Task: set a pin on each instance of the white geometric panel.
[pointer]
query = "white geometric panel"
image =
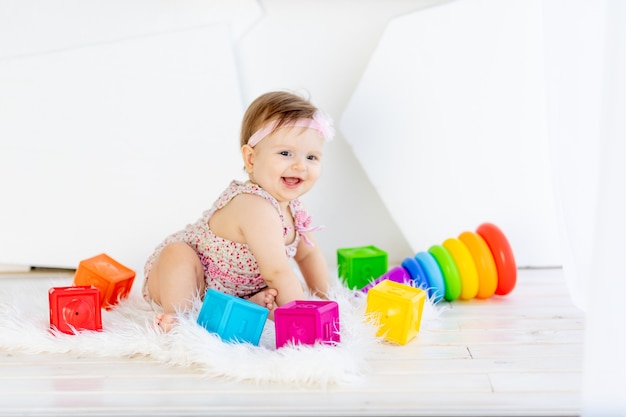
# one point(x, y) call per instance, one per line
point(448, 121)
point(110, 147)
point(30, 27)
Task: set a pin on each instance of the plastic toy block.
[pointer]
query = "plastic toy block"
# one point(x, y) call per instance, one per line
point(113, 279)
point(75, 308)
point(307, 322)
point(396, 309)
point(397, 274)
point(360, 265)
point(232, 318)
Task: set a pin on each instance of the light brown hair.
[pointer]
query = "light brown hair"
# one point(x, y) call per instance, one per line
point(281, 106)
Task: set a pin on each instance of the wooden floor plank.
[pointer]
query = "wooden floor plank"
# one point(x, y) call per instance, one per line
point(304, 404)
point(536, 381)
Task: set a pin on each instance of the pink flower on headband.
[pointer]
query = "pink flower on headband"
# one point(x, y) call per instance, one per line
point(324, 124)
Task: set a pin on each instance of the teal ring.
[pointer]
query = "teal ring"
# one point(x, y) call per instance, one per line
point(437, 287)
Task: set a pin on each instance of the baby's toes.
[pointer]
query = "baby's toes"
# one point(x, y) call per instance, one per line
point(164, 322)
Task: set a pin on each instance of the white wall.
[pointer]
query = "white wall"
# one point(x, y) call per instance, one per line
point(140, 102)
point(305, 45)
point(119, 120)
point(110, 118)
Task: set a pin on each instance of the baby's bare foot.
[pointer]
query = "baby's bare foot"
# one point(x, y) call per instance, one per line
point(265, 298)
point(165, 322)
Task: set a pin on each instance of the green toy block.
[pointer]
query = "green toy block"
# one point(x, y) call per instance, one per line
point(360, 265)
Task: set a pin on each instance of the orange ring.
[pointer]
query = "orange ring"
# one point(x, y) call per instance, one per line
point(485, 265)
point(466, 266)
point(502, 255)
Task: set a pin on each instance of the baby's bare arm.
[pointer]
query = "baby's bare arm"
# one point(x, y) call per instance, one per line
point(313, 267)
point(263, 233)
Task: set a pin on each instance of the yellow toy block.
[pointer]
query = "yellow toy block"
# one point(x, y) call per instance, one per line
point(397, 310)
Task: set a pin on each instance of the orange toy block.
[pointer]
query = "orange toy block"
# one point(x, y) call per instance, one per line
point(397, 310)
point(113, 279)
point(75, 308)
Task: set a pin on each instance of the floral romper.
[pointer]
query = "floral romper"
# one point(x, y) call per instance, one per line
point(229, 266)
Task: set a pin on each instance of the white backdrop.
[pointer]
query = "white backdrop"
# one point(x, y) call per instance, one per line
point(136, 80)
point(449, 122)
point(109, 128)
point(99, 152)
point(130, 88)
point(586, 68)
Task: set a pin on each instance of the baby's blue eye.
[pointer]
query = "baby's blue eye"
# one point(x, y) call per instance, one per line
point(285, 153)
point(312, 158)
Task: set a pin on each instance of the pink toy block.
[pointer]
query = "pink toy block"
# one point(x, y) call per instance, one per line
point(307, 322)
point(397, 310)
point(113, 279)
point(75, 308)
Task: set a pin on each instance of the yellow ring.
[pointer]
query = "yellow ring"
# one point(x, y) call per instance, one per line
point(466, 266)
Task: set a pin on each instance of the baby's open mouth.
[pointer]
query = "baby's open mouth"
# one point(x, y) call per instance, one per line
point(291, 181)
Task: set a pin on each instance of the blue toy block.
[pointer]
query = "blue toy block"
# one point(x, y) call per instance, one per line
point(359, 266)
point(307, 322)
point(232, 318)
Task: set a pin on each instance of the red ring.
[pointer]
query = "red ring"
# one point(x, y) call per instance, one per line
point(502, 255)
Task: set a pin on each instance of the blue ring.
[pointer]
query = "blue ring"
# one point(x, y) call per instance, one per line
point(416, 272)
point(437, 287)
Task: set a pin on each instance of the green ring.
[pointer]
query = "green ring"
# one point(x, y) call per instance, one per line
point(449, 271)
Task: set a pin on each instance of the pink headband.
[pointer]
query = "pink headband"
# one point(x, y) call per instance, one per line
point(319, 122)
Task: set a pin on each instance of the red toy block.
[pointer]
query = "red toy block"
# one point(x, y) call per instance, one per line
point(75, 308)
point(113, 279)
point(307, 322)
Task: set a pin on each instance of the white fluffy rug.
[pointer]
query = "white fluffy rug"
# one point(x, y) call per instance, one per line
point(128, 331)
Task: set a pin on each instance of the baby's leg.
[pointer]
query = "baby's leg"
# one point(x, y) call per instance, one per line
point(177, 275)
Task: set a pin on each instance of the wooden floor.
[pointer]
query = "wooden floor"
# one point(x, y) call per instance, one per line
point(519, 355)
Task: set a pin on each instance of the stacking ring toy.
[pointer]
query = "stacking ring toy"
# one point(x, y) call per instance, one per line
point(466, 266)
point(436, 287)
point(416, 272)
point(485, 265)
point(449, 270)
point(475, 264)
point(502, 255)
